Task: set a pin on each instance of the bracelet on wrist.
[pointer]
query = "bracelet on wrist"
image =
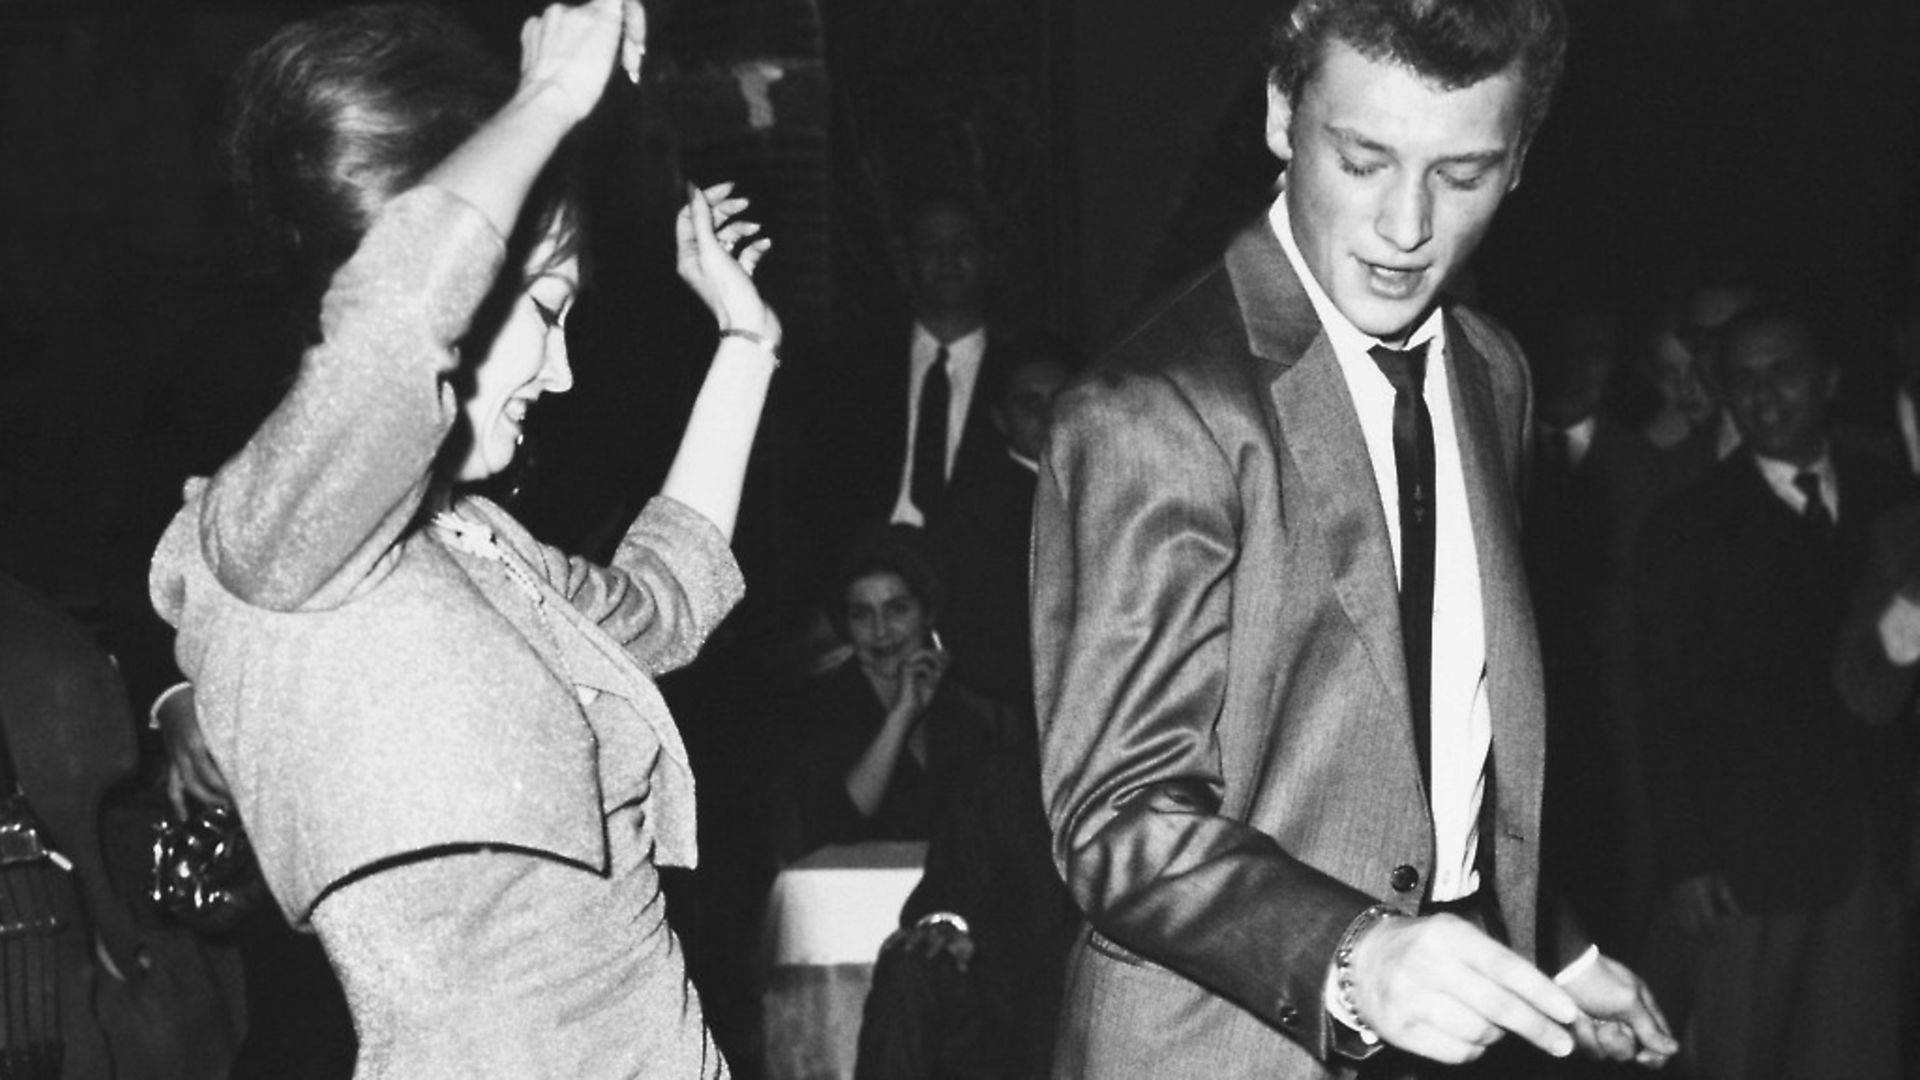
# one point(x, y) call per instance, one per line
point(755, 338)
point(1343, 956)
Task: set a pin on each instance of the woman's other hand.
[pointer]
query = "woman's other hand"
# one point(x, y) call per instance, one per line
point(572, 48)
point(718, 252)
point(190, 766)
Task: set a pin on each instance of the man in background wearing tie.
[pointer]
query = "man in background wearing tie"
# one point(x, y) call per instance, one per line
point(1289, 693)
point(949, 433)
point(1780, 918)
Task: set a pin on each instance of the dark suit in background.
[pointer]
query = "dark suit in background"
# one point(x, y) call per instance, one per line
point(990, 863)
point(984, 545)
point(873, 399)
point(1761, 775)
point(1581, 517)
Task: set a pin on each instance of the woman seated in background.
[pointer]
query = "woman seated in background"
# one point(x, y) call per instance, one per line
point(443, 735)
point(882, 736)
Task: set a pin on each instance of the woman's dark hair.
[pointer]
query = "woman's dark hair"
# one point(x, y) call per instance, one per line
point(336, 114)
point(900, 550)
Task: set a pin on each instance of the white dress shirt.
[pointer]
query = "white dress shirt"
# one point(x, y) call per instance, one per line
point(964, 355)
point(1781, 476)
point(1462, 719)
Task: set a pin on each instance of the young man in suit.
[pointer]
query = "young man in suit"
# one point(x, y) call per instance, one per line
point(1774, 848)
point(1247, 640)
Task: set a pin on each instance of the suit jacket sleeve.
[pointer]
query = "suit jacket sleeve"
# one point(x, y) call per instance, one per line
point(1136, 525)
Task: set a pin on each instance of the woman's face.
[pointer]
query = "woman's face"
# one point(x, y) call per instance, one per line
point(886, 622)
point(527, 358)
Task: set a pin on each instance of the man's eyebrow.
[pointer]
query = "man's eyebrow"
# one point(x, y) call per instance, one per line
point(1478, 158)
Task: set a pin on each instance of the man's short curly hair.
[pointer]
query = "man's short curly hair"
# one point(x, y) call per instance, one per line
point(1454, 43)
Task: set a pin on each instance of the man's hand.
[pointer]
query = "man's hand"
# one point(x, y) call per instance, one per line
point(1619, 1020)
point(1439, 987)
point(1701, 902)
point(933, 939)
point(1899, 628)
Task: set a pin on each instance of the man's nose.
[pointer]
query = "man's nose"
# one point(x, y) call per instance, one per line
point(1406, 214)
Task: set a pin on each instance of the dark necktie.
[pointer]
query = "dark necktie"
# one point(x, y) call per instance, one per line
point(1816, 512)
point(930, 438)
point(1413, 463)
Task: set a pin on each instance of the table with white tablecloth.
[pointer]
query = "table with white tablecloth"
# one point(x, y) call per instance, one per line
point(826, 918)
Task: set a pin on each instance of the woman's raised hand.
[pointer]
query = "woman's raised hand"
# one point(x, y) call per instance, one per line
point(573, 47)
point(718, 251)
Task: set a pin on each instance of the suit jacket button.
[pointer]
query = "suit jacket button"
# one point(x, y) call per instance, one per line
point(1289, 1016)
point(1404, 878)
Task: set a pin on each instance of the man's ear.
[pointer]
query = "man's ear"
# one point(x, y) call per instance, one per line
point(998, 414)
point(1279, 120)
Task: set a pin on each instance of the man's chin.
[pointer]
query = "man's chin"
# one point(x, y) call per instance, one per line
point(1390, 320)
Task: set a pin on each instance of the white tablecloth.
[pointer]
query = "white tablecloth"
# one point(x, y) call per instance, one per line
point(826, 917)
point(838, 904)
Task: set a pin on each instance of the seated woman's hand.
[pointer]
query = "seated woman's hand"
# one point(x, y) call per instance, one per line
point(920, 676)
point(572, 48)
point(718, 250)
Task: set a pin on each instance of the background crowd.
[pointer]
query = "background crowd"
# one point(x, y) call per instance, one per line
point(1733, 722)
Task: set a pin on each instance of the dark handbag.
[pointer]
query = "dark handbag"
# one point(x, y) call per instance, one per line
point(204, 873)
point(36, 907)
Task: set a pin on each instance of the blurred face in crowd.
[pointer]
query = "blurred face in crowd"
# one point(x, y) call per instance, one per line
point(1392, 180)
point(1026, 413)
point(949, 259)
point(1777, 386)
point(1681, 381)
point(1707, 310)
point(526, 359)
point(886, 621)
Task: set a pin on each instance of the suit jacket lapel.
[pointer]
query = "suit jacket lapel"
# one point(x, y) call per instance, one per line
point(1314, 423)
point(1489, 473)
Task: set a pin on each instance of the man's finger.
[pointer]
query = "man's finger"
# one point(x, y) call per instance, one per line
point(1527, 1018)
point(1447, 1031)
point(1649, 1026)
point(1505, 969)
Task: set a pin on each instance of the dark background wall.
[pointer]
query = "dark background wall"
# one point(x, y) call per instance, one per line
point(1114, 142)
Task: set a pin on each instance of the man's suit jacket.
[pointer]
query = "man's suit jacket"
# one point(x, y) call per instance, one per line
point(867, 452)
point(1579, 528)
point(983, 543)
point(1758, 770)
point(1228, 758)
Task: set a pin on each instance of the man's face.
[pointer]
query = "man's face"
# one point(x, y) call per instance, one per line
point(1026, 413)
point(1777, 389)
point(1392, 181)
point(949, 260)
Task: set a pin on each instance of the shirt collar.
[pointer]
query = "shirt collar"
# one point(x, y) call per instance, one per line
point(966, 348)
point(1780, 476)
